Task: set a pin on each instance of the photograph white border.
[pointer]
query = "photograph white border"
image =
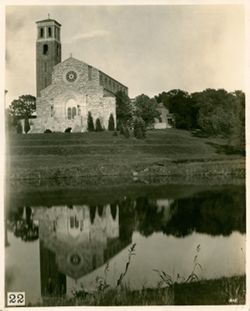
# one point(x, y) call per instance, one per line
point(5, 3)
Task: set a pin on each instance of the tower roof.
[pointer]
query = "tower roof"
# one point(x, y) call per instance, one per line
point(49, 20)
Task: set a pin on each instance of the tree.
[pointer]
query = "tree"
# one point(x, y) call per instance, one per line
point(183, 107)
point(123, 109)
point(163, 98)
point(216, 111)
point(237, 139)
point(90, 122)
point(98, 126)
point(26, 125)
point(23, 107)
point(146, 108)
point(111, 125)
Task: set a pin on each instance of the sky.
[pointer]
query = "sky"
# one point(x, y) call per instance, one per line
point(148, 48)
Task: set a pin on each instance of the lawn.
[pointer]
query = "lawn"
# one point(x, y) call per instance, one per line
point(102, 153)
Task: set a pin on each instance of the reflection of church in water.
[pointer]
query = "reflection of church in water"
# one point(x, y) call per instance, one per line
point(75, 240)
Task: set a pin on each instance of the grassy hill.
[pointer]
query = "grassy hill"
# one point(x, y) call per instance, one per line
point(163, 152)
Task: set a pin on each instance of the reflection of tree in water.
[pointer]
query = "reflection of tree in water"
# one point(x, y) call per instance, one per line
point(100, 210)
point(92, 210)
point(22, 225)
point(113, 210)
point(148, 217)
point(213, 213)
point(127, 218)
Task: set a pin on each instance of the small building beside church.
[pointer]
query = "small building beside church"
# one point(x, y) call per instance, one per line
point(166, 119)
point(70, 90)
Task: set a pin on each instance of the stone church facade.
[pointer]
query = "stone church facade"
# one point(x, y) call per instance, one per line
point(68, 91)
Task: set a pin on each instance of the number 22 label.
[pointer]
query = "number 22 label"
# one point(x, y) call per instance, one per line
point(15, 299)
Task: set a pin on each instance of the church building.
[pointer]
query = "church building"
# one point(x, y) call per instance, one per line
point(68, 91)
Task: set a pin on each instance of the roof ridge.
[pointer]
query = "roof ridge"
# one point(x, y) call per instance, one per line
point(48, 20)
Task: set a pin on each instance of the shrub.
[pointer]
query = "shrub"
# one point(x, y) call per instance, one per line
point(111, 125)
point(138, 133)
point(121, 129)
point(115, 133)
point(26, 125)
point(126, 132)
point(91, 127)
point(139, 128)
point(98, 126)
point(19, 128)
point(68, 130)
point(118, 125)
point(47, 131)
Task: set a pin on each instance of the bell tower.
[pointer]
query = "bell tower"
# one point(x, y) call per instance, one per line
point(48, 51)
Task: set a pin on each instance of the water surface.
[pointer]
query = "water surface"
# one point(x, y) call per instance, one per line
point(57, 244)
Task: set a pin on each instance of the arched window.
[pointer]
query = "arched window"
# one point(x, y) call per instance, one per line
point(73, 112)
point(41, 32)
point(71, 109)
point(49, 32)
point(69, 113)
point(45, 49)
point(74, 222)
point(90, 72)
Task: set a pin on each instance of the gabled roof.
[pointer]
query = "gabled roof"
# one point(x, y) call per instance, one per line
point(71, 58)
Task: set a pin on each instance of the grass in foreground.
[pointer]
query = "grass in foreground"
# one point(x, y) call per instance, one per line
point(224, 291)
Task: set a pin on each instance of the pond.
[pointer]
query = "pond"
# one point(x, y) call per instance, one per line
point(56, 244)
